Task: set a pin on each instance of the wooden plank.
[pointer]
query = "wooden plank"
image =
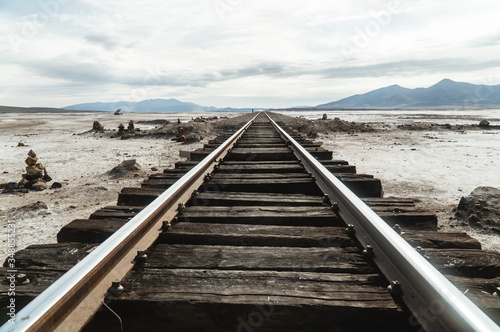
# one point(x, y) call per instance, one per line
point(364, 187)
point(432, 239)
point(334, 162)
point(396, 209)
point(388, 201)
point(270, 154)
point(211, 198)
point(54, 256)
point(89, 231)
point(259, 162)
point(471, 263)
point(480, 292)
point(254, 287)
point(411, 220)
point(255, 235)
point(261, 168)
point(263, 215)
point(341, 168)
point(40, 279)
point(305, 186)
point(264, 176)
point(138, 196)
point(158, 183)
point(249, 154)
point(245, 145)
point(116, 212)
point(325, 260)
point(184, 300)
point(167, 175)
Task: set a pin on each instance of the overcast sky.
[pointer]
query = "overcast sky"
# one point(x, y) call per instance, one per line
point(240, 53)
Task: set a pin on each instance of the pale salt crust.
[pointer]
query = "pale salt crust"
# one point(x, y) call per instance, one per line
point(436, 167)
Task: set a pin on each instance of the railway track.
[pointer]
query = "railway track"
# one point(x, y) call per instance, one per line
point(260, 231)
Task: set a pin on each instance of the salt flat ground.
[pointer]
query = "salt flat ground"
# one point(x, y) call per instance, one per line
point(79, 162)
point(437, 167)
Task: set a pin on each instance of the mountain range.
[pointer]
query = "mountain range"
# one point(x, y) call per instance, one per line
point(151, 105)
point(446, 93)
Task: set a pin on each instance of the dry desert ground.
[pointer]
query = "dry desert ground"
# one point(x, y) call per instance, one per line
point(415, 154)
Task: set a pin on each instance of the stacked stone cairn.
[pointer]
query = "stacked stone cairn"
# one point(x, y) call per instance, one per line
point(36, 176)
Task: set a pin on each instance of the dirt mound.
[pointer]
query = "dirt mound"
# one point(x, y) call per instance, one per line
point(125, 168)
point(325, 126)
point(158, 122)
point(232, 124)
point(26, 211)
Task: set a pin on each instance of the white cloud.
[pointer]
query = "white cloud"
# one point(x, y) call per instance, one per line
point(237, 53)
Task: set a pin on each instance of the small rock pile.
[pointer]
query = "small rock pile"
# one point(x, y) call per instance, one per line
point(97, 127)
point(129, 132)
point(36, 177)
point(191, 137)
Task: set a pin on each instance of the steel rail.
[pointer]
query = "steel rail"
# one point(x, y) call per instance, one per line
point(435, 302)
point(60, 301)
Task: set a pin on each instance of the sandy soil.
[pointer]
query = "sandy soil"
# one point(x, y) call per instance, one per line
point(437, 166)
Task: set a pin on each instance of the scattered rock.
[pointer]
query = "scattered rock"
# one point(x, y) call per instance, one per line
point(481, 208)
point(192, 138)
point(484, 123)
point(10, 186)
point(39, 186)
point(154, 169)
point(126, 167)
point(21, 144)
point(325, 117)
point(56, 185)
point(312, 131)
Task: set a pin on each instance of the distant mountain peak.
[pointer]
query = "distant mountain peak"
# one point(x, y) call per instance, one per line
point(445, 81)
point(445, 93)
